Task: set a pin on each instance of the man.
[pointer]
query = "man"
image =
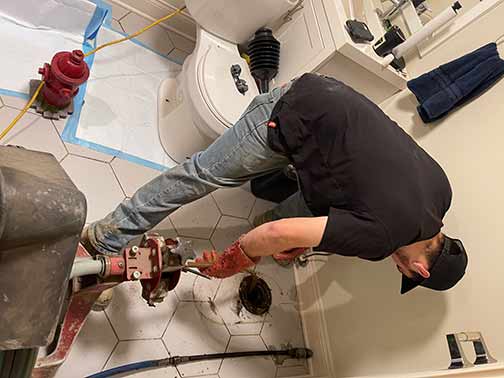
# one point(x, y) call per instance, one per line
point(366, 188)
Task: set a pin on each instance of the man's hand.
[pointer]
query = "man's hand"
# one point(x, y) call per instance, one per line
point(289, 255)
point(232, 261)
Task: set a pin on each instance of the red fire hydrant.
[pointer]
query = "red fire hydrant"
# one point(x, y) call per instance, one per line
point(63, 76)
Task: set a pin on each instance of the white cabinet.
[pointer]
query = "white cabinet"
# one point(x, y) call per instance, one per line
point(306, 42)
point(315, 40)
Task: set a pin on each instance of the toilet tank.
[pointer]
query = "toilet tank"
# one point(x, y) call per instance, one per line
point(236, 20)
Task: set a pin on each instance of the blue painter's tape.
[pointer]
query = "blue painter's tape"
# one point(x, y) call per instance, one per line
point(99, 17)
point(104, 16)
point(8, 92)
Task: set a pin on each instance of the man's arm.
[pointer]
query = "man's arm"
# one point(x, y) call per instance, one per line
point(283, 235)
point(271, 238)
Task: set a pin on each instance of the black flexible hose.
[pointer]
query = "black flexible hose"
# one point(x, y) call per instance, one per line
point(295, 353)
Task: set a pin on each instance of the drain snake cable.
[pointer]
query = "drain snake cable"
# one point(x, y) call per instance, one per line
point(39, 88)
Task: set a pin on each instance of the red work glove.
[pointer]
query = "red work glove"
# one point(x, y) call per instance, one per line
point(232, 261)
point(289, 255)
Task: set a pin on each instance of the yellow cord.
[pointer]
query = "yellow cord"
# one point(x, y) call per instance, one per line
point(136, 33)
point(22, 113)
point(32, 99)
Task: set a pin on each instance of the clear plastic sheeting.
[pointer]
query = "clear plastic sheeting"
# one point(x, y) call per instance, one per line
point(119, 115)
point(32, 31)
point(65, 16)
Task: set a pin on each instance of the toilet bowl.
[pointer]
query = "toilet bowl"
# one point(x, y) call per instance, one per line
point(204, 101)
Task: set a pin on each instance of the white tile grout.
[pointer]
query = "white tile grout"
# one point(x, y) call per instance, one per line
point(251, 210)
point(67, 155)
point(215, 227)
point(140, 339)
point(89, 158)
point(63, 158)
point(121, 18)
point(117, 179)
point(172, 315)
point(226, 350)
point(110, 355)
point(111, 325)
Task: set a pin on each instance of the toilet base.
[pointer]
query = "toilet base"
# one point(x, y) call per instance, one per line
point(178, 134)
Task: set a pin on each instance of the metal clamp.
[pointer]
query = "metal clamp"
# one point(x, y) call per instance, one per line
point(458, 358)
point(296, 8)
point(241, 85)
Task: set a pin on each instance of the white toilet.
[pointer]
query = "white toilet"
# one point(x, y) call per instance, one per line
point(203, 101)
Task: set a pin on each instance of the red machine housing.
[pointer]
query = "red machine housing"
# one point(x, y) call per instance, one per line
point(63, 76)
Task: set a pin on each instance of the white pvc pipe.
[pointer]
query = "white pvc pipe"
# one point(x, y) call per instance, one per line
point(436, 23)
point(86, 266)
point(351, 9)
point(387, 60)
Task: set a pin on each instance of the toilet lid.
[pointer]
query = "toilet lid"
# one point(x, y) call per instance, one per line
point(218, 87)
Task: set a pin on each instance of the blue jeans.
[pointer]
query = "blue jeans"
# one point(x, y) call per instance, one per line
point(239, 155)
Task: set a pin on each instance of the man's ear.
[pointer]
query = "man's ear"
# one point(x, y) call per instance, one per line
point(421, 269)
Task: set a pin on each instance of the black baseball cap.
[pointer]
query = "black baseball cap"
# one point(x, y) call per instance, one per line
point(446, 271)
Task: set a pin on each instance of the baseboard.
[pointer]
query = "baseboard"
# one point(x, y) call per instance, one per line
point(311, 308)
point(312, 313)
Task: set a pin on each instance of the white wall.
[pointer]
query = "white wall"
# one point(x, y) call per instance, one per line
point(375, 330)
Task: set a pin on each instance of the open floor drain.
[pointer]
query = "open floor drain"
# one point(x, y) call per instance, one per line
point(255, 295)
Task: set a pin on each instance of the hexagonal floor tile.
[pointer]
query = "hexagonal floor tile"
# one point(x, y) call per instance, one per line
point(283, 326)
point(260, 206)
point(131, 316)
point(193, 330)
point(128, 352)
point(156, 38)
point(253, 367)
point(98, 183)
point(228, 230)
point(16, 103)
point(281, 280)
point(132, 176)
point(32, 132)
point(197, 219)
point(227, 301)
point(91, 349)
point(166, 229)
point(181, 42)
point(193, 288)
point(237, 202)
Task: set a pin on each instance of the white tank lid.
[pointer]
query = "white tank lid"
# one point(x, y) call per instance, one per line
point(218, 87)
point(236, 21)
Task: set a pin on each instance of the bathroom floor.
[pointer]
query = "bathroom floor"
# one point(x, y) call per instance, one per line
point(200, 316)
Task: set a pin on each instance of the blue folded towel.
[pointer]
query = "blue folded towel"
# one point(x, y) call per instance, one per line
point(453, 84)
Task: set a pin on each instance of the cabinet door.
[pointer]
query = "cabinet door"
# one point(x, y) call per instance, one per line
point(306, 42)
